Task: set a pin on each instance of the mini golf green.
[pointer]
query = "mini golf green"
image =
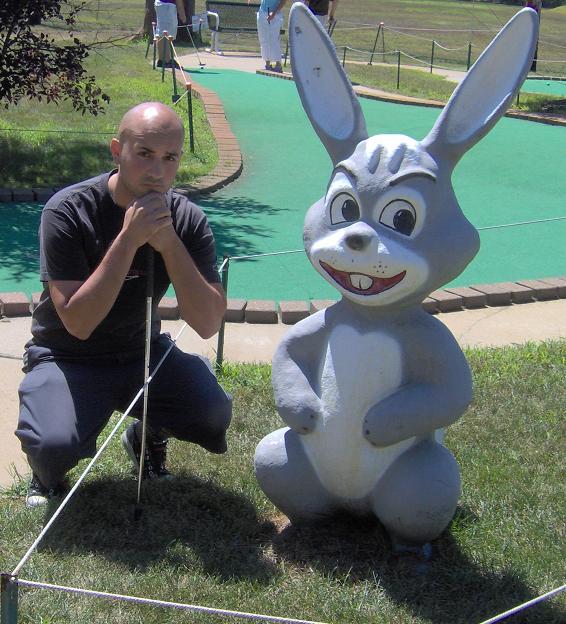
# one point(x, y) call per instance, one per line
point(548, 87)
point(515, 175)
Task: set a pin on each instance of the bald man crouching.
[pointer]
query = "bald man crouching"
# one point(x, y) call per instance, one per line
point(86, 357)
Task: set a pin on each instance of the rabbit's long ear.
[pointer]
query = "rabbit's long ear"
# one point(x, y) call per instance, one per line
point(487, 90)
point(324, 88)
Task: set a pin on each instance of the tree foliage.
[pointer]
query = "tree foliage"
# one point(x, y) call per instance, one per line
point(35, 66)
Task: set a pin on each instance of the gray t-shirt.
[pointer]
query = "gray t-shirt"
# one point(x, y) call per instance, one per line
point(78, 225)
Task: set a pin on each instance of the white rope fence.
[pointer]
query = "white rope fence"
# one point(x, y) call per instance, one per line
point(165, 603)
point(524, 606)
point(411, 32)
point(506, 225)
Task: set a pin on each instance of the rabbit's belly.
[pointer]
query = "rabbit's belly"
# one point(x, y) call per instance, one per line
point(359, 370)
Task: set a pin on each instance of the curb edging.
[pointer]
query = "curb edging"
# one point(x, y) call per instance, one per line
point(454, 299)
point(385, 96)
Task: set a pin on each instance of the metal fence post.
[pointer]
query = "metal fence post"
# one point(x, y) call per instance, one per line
point(375, 43)
point(432, 56)
point(9, 599)
point(220, 347)
point(149, 40)
point(469, 61)
point(344, 58)
point(286, 54)
point(398, 67)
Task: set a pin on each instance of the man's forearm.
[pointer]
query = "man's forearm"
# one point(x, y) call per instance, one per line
point(83, 309)
point(201, 305)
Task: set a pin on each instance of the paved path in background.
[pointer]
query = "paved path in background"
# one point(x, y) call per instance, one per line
point(253, 63)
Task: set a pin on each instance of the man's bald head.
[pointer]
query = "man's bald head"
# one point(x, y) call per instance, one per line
point(149, 117)
point(147, 151)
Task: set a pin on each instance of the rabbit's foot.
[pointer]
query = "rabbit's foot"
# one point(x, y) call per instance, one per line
point(423, 552)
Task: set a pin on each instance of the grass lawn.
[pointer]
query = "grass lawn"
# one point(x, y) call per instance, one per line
point(48, 145)
point(415, 83)
point(211, 537)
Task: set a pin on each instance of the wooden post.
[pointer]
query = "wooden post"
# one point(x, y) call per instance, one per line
point(173, 68)
point(9, 599)
point(150, 39)
point(375, 43)
point(190, 113)
point(154, 52)
point(432, 56)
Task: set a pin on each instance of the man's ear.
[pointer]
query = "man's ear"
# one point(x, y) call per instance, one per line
point(115, 149)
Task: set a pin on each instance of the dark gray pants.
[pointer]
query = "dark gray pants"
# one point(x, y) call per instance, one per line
point(65, 404)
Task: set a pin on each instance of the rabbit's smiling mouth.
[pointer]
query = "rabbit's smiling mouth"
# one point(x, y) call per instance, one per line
point(360, 283)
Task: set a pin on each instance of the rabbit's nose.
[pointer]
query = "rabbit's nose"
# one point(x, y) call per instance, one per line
point(358, 242)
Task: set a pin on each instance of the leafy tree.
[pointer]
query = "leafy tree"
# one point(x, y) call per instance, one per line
point(33, 65)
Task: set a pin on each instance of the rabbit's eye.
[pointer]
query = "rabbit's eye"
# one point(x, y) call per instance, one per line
point(400, 216)
point(344, 208)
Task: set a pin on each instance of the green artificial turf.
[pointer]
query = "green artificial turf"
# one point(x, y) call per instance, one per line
point(513, 176)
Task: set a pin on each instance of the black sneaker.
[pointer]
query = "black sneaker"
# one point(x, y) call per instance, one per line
point(38, 495)
point(159, 63)
point(155, 452)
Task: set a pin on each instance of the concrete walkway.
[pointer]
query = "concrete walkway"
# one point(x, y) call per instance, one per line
point(244, 342)
point(252, 63)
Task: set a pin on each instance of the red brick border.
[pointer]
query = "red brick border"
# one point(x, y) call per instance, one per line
point(290, 312)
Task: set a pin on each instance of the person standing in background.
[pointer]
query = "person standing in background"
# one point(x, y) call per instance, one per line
point(323, 10)
point(168, 14)
point(535, 5)
point(269, 23)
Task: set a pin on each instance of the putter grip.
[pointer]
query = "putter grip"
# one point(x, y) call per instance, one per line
point(149, 260)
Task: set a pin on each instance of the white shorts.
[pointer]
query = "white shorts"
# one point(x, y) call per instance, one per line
point(269, 34)
point(166, 18)
point(323, 19)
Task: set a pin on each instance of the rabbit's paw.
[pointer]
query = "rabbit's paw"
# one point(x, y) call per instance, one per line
point(380, 430)
point(300, 417)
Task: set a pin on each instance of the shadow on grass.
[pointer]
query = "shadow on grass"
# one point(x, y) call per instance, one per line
point(451, 588)
point(239, 224)
point(54, 160)
point(182, 519)
point(19, 243)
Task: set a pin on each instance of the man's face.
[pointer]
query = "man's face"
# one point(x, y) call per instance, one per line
point(148, 159)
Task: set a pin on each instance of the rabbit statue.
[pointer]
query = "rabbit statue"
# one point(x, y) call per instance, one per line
point(367, 386)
